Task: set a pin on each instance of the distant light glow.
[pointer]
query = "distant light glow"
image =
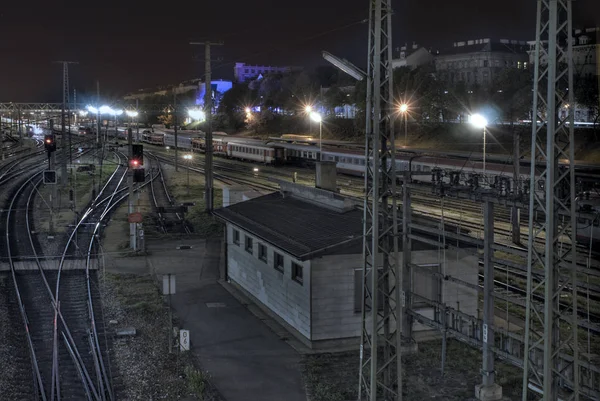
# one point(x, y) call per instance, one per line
point(117, 112)
point(105, 110)
point(83, 113)
point(131, 113)
point(308, 109)
point(403, 108)
point(255, 169)
point(197, 114)
point(247, 109)
point(168, 147)
point(478, 121)
point(92, 109)
point(316, 117)
point(187, 157)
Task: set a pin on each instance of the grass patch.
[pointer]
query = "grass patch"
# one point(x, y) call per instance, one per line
point(137, 294)
point(334, 377)
point(197, 381)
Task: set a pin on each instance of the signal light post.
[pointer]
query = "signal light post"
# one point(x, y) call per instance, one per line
point(50, 145)
point(133, 163)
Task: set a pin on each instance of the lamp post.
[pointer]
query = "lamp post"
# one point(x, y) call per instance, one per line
point(404, 110)
point(308, 110)
point(479, 121)
point(133, 114)
point(189, 159)
point(316, 117)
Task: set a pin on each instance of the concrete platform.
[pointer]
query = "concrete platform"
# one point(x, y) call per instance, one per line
point(245, 358)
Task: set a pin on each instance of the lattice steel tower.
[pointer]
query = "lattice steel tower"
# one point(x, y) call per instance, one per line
point(380, 367)
point(551, 356)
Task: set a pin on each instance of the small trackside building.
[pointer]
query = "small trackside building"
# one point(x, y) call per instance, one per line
point(297, 253)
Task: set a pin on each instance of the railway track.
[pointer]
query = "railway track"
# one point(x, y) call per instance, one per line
point(167, 221)
point(66, 359)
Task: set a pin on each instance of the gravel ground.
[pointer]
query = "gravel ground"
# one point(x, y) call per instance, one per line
point(146, 369)
point(334, 377)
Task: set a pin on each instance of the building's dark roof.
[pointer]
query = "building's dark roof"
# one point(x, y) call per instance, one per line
point(298, 227)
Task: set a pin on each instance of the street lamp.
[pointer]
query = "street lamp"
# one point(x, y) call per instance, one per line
point(133, 114)
point(197, 114)
point(189, 159)
point(479, 121)
point(404, 110)
point(316, 117)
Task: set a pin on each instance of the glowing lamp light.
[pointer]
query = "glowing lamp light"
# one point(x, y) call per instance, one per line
point(197, 114)
point(92, 109)
point(48, 140)
point(131, 113)
point(316, 117)
point(247, 109)
point(83, 113)
point(308, 109)
point(105, 110)
point(135, 162)
point(117, 112)
point(403, 108)
point(479, 121)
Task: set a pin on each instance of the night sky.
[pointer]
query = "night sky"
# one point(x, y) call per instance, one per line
point(144, 44)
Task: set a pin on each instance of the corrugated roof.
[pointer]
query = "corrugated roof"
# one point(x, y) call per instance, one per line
point(293, 225)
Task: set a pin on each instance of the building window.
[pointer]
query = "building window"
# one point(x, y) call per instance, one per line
point(519, 65)
point(278, 261)
point(262, 252)
point(236, 237)
point(248, 245)
point(485, 63)
point(297, 272)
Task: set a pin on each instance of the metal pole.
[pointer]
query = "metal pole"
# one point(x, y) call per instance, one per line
point(137, 120)
point(208, 159)
point(406, 128)
point(175, 126)
point(321, 137)
point(208, 162)
point(484, 139)
point(487, 372)
point(132, 226)
point(406, 276)
point(515, 211)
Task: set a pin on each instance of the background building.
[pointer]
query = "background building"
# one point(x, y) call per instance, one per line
point(243, 72)
point(412, 57)
point(479, 61)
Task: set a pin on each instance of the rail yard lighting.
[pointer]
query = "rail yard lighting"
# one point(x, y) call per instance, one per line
point(404, 110)
point(316, 117)
point(131, 113)
point(91, 109)
point(197, 114)
point(247, 110)
point(83, 113)
point(188, 157)
point(479, 121)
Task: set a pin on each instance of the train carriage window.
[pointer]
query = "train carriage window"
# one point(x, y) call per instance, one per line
point(337, 159)
point(426, 169)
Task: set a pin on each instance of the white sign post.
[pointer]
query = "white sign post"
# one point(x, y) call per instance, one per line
point(169, 289)
point(184, 340)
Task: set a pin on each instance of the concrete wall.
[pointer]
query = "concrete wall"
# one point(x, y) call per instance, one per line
point(337, 281)
point(287, 298)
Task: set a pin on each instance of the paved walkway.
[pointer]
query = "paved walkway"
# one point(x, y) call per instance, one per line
point(247, 361)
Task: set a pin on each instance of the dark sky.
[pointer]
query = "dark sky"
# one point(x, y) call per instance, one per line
point(133, 44)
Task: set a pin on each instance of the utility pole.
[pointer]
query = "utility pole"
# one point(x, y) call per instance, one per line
point(175, 131)
point(137, 121)
point(382, 307)
point(53, 192)
point(551, 329)
point(517, 188)
point(208, 160)
point(65, 118)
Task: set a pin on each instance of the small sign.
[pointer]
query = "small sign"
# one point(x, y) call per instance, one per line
point(135, 217)
point(50, 177)
point(485, 333)
point(184, 340)
point(168, 284)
